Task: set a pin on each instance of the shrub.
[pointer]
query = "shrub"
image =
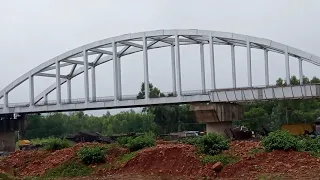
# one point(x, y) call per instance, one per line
point(53, 144)
point(223, 158)
point(141, 142)
point(92, 155)
point(280, 140)
point(123, 141)
point(69, 169)
point(212, 144)
point(310, 145)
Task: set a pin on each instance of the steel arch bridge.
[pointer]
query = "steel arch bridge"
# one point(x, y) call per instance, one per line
point(112, 49)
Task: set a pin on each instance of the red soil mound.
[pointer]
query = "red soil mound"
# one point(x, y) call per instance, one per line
point(171, 159)
point(293, 164)
point(39, 166)
point(243, 148)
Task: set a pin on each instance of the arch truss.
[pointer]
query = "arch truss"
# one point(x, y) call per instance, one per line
point(113, 49)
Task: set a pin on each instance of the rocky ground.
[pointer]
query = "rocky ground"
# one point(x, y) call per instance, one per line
point(173, 161)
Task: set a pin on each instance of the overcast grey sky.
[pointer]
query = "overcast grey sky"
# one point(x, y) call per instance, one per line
point(35, 31)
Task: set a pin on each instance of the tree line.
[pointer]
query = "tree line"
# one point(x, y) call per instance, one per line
point(164, 119)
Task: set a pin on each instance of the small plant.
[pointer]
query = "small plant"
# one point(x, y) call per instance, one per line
point(212, 144)
point(141, 142)
point(280, 140)
point(69, 169)
point(92, 155)
point(53, 144)
point(223, 158)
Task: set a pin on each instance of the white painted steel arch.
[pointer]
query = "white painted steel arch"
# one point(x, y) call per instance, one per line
point(143, 41)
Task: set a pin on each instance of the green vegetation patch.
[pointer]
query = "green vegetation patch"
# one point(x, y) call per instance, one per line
point(212, 144)
point(140, 142)
point(225, 159)
point(53, 144)
point(68, 169)
point(92, 155)
point(280, 140)
point(309, 144)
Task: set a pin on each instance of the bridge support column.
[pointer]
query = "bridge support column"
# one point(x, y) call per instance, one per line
point(86, 76)
point(145, 68)
point(249, 63)
point(115, 70)
point(6, 102)
point(266, 67)
point(58, 83)
point(93, 83)
point(178, 68)
point(287, 65)
point(300, 71)
point(233, 62)
point(173, 66)
point(31, 91)
point(69, 90)
point(218, 117)
point(212, 64)
point(119, 79)
point(203, 74)
point(8, 126)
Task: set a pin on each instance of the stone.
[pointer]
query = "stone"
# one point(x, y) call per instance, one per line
point(217, 167)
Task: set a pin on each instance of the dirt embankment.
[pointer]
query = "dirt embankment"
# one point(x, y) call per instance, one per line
point(287, 164)
point(171, 159)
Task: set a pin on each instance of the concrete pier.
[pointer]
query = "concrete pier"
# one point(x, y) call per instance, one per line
point(218, 117)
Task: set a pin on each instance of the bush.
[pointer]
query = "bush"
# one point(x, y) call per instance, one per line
point(92, 155)
point(212, 144)
point(223, 158)
point(310, 145)
point(123, 141)
point(53, 144)
point(140, 142)
point(280, 140)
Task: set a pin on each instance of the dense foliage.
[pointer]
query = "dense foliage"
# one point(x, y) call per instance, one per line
point(280, 140)
point(52, 144)
point(212, 144)
point(92, 155)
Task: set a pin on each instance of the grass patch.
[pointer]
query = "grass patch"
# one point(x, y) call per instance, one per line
point(223, 158)
point(270, 177)
point(69, 169)
point(121, 160)
point(127, 157)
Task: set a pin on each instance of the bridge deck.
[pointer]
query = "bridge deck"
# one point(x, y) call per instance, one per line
point(221, 95)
